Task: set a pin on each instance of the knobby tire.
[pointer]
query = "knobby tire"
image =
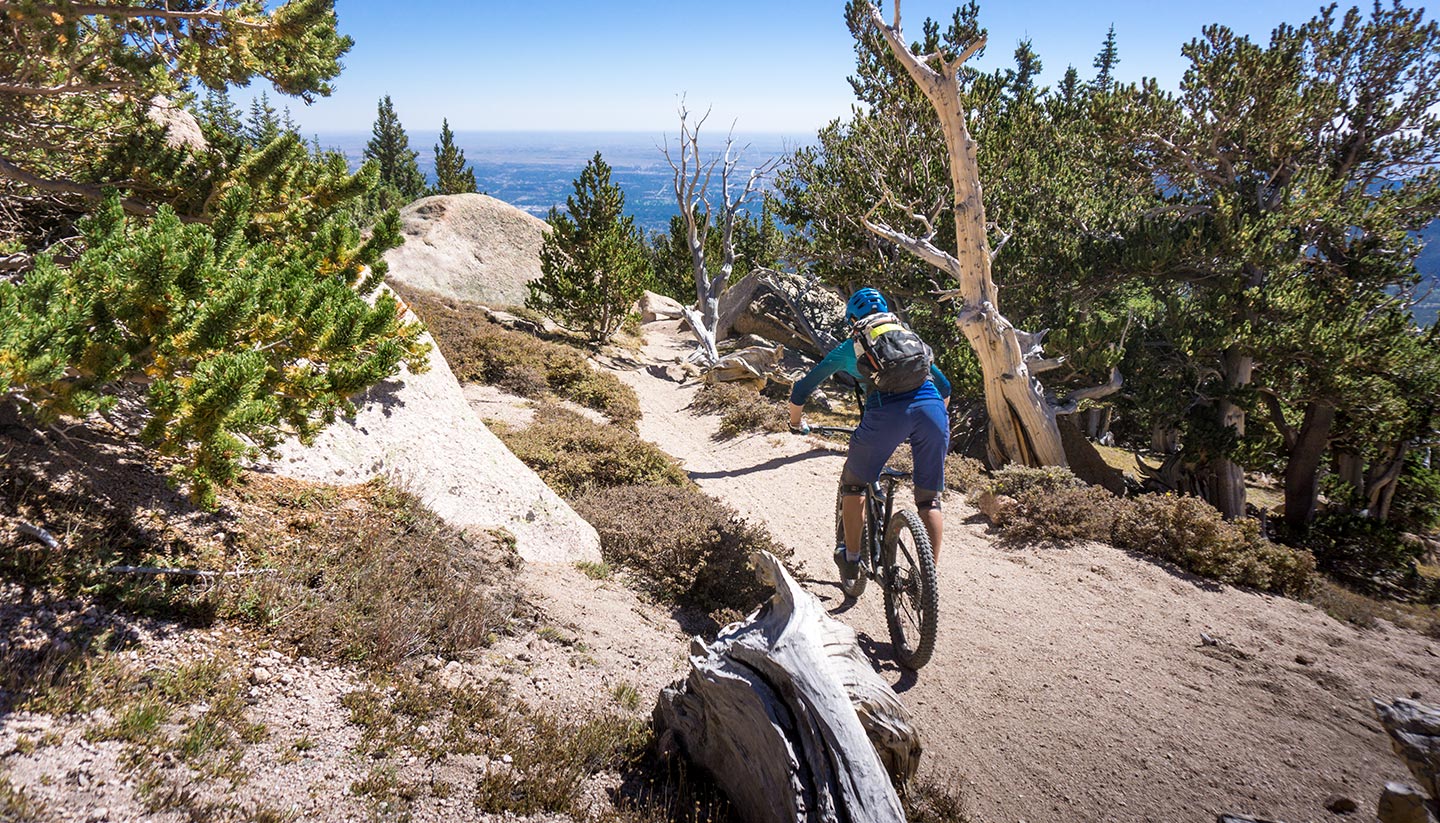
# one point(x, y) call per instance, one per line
point(912, 596)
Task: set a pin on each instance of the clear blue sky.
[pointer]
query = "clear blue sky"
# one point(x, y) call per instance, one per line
point(772, 66)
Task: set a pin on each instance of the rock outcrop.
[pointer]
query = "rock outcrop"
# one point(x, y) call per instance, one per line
point(418, 430)
point(468, 246)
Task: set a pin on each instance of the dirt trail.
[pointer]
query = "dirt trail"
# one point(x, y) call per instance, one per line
point(1072, 684)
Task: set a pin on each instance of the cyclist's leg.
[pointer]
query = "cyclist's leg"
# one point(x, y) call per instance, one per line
point(929, 443)
point(881, 430)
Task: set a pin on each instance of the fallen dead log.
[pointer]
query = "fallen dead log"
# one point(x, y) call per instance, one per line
point(788, 715)
point(1414, 730)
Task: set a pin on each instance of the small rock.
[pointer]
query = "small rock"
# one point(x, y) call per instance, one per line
point(1304, 659)
point(287, 678)
point(1340, 804)
point(260, 676)
point(98, 813)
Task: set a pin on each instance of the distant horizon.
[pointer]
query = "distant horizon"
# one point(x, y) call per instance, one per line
point(568, 66)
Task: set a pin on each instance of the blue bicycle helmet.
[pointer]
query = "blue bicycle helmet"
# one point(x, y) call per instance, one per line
point(864, 302)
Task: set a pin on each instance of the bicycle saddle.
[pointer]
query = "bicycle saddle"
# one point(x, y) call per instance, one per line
point(895, 473)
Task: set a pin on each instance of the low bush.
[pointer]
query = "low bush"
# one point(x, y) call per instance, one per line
point(962, 474)
point(681, 545)
point(1053, 506)
point(1360, 549)
point(368, 574)
point(575, 455)
point(1064, 515)
point(742, 409)
point(481, 351)
point(1190, 533)
point(1015, 480)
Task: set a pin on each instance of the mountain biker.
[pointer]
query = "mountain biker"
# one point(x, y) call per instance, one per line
point(920, 414)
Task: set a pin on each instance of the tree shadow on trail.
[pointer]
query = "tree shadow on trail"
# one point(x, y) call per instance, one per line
point(768, 465)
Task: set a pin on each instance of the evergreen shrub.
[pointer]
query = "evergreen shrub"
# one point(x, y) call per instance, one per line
point(1361, 550)
point(681, 545)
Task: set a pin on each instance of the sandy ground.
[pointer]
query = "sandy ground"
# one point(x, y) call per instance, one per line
point(1067, 684)
point(1072, 684)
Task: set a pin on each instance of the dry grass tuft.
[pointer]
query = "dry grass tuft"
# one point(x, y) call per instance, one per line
point(680, 545)
point(742, 409)
point(928, 800)
point(534, 761)
point(575, 455)
point(368, 574)
point(17, 806)
point(481, 351)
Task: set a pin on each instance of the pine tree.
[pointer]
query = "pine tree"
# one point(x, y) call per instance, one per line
point(264, 123)
point(1106, 60)
point(1070, 86)
point(452, 176)
point(226, 280)
point(390, 149)
point(219, 113)
point(593, 264)
point(1027, 68)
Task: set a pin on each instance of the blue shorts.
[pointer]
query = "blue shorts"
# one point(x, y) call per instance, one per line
point(884, 427)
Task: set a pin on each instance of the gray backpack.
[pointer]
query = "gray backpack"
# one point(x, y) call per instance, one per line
point(889, 355)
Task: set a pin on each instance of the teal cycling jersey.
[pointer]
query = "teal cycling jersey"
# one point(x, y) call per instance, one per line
point(842, 358)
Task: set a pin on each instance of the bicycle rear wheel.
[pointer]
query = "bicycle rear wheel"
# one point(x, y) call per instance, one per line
point(851, 588)
point(912, 599)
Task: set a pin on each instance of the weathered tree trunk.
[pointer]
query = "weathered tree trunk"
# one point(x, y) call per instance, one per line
point(1373, 487)
point(1023, 428)
point(1228, 492)
point(1164, 439)
point(1414, 730)
point(1350, 468)
point(691, 187)
point(790, 717)
point(1302, 470)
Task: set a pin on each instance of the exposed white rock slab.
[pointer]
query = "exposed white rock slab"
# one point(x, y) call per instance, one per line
point(419, 431)
point(468, 246)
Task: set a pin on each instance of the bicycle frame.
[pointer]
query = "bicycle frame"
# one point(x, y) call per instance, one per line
point(879, 505)
point(880, 501)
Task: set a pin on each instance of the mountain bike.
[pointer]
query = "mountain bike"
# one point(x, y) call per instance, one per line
point(896, 553)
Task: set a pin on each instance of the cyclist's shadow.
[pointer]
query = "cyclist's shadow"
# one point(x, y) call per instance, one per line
point(882, 654)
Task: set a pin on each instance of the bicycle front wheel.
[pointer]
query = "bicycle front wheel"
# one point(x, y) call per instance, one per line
point(912, 599)
point(856, 587)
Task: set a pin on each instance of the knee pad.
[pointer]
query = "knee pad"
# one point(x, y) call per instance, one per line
point(852, 490)
point(927, 500)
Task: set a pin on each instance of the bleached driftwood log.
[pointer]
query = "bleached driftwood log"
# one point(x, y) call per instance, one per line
point(786, 712)
point(1414, 730)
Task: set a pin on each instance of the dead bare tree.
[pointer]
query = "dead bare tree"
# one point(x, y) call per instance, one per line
point(692, 196)
point(1023, 427)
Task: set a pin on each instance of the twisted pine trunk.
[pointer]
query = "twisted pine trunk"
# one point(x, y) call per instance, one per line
point(1023, 428)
